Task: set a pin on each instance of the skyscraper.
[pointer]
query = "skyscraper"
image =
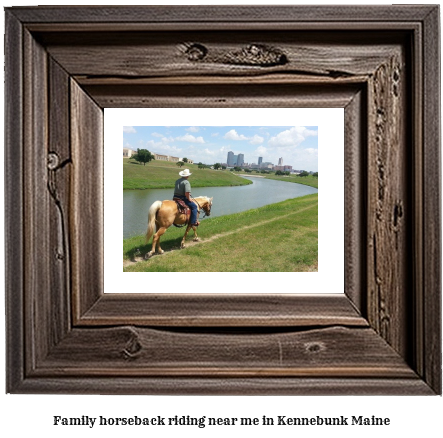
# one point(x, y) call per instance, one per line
point(280, 161)
point(230, 160)
point(260, 160)
point(240, 159)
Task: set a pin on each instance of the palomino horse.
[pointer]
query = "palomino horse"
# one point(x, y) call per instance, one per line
point(163, 214)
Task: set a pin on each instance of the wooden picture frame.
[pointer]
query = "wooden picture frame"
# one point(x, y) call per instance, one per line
point(65, 64)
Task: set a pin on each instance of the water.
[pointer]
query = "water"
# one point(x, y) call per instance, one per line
point(227, 200)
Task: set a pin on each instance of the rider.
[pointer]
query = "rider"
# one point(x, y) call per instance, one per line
point(183, 191)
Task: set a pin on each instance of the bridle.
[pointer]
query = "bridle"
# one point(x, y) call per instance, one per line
point(200, 208)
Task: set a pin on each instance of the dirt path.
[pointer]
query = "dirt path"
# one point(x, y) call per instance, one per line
point(191, 243)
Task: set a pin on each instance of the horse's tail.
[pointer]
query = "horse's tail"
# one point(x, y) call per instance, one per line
point(151, 218)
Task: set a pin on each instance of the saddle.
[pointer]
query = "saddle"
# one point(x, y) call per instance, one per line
point(183, 208)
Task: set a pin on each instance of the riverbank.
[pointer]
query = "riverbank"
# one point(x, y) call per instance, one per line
point(162, 175)
point(309, 180)
point(281, 237)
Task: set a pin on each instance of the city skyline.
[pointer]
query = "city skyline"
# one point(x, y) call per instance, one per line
point(208, 144)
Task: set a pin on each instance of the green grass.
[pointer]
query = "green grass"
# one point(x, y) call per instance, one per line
point(306, 180)
point(274, 238)
point(162, 175)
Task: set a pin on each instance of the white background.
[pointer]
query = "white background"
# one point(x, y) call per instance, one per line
point(31, 415)
point(330, 123)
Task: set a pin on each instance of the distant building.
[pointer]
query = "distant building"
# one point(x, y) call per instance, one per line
point(260, 160)
point(127, 153)
point(231, 159)
point(283, 168)
point(280, 161)
point(240, 160)
point(161, 157)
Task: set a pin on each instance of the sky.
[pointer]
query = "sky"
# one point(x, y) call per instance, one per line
point(297, 145)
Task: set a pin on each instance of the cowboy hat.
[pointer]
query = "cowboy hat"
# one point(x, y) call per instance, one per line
point(185, 172)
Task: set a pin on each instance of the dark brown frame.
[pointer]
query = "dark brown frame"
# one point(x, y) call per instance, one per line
point(64, 65)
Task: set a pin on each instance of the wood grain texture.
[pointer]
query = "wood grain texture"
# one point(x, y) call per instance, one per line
point(222, 14)
point(224, 96)
point(64, 65)
point(38, 305)
point(388, 204)
point(14, 239)
point(129, 351)
point(168, 54)
point(239, 310)
point(86, 197)
point(355, 186)
point(59, 167)
point(431, 316)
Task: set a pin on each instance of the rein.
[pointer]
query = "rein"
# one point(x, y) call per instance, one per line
point(199, 208)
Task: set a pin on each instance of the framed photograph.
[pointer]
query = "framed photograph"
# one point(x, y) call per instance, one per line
point(284, 245)
point(376, 326)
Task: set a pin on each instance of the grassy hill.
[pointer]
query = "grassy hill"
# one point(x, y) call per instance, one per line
point(306, 180)
point(162, 175)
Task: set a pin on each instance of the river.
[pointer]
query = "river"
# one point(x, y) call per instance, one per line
point(227, 200)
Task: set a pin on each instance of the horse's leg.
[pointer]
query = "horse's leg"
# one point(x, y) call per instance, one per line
point(196, 239)
point(184, 237)
point(157, 236)
point(156, 241)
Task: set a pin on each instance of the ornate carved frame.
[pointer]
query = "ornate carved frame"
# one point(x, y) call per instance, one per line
point(64, 65)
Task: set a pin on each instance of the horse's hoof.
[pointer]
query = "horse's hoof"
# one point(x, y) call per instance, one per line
point(161, 252)
point(148, 255)
point(196, 239)
point(182, 246)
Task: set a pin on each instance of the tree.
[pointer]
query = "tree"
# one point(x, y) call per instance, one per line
point(315, 174)
point(237, 168)
point(304, 173)
point(185, 160)
point(223, 167)
point(180, 163)
point(143, 156)
point(217, 166)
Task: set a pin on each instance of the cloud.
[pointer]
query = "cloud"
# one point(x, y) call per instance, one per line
point(190, 138)
point(256, 139)
point(129, 130)
point(233, 135)
point(159, 147)
point(192, 129)
point(261, 150)
point(312, 151)
point(291, 137)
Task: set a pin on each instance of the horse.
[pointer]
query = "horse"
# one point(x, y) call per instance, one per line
point(163, 214)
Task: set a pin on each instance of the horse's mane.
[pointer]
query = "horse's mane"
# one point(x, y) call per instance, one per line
point(205, 197)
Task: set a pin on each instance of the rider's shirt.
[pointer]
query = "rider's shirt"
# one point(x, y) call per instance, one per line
point(182, 186)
